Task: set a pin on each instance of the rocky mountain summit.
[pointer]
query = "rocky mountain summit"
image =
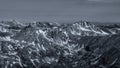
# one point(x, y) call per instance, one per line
point(53, 45)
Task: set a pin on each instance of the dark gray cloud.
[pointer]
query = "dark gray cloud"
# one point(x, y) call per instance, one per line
point(60, 10)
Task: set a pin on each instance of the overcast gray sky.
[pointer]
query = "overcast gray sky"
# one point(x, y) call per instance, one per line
point(60, 10)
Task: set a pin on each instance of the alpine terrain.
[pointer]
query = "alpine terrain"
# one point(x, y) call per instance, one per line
point(52, 45)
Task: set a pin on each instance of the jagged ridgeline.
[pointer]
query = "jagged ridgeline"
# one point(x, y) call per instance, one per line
point(52, 45)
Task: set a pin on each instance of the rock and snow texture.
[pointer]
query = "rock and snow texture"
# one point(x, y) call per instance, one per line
point(52, 45)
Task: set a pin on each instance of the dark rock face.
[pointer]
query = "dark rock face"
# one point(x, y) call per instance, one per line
point(52, 45)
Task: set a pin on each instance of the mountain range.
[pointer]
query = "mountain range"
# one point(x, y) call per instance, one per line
point(52, 45)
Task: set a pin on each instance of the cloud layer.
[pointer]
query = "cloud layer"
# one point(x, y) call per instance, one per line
point(61, 10)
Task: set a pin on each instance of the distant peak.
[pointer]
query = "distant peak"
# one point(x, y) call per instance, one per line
point(84, 23)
